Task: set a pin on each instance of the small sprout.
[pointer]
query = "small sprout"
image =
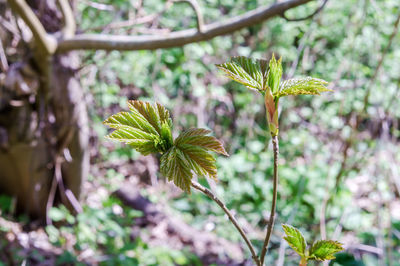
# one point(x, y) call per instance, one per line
point(321, 250)
point(274, 74)
point(254, 75)
point(148, 129)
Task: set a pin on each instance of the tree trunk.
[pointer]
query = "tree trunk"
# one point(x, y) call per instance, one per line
point(43, 123)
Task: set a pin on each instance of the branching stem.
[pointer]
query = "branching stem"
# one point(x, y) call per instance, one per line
point(176, 38)
point(212, 196)
point(46, 43)
point(69, 27)
point(319, 9)
point(199, 15)
point(275, 145)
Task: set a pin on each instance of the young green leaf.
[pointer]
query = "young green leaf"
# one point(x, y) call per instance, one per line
point(147, 128)
point(247, 71)
point(196, 137)
point(154, 114)
point(143, 142)
point(193, 132)
point(309, 85)
point(174, 166)
point(130, 119)
point(295, 239)
point(324, 250)
point(190, 154)
point(274, 74)
point(200, 161)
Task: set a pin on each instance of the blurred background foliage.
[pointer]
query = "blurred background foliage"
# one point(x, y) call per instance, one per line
point(339, 166)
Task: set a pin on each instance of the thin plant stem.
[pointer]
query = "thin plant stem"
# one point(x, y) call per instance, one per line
point(275, 145)
point(212, 196)
point(303, 262)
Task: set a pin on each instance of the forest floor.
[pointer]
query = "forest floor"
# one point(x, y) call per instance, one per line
point(29, 242)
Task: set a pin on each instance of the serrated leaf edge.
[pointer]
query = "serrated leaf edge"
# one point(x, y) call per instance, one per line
point(286, 228)
point(331, 256)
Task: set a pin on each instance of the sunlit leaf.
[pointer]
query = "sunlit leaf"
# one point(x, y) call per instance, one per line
point(193, 132)
point(309, 85)
point(154, 114)
point(274, 74)
point(147, 128)
point(200, 161)
point(295, 239)
point(196, 137)
point(130, 119)
point(324, 250)
point(130, 134)
point(247, 71)
point(175, 167)
point(190, 155)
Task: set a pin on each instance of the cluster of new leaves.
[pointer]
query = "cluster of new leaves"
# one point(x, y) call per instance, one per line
point(190, 154)
point(148, 129)
point(321, 250)
point(254, 74)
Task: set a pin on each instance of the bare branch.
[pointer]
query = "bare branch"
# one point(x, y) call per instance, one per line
point(178, 38)
point(230, 216)
point(365, 248)
point(319, 9)
point(50, 200)
point(68, 19)
point(3, 58)
point(45, 42)
point(199, 15)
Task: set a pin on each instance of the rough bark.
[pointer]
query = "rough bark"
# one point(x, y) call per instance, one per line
point(42, 118)
point(29, 144)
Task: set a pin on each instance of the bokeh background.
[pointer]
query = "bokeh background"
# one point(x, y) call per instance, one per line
point(339, 152)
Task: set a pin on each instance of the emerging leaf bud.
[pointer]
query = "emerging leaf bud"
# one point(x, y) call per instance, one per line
point(271, 106)
point(274, 74)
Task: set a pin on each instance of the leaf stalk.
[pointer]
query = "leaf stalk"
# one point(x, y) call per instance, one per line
point(275, 145)
point(303, 261)
point(232, 218)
